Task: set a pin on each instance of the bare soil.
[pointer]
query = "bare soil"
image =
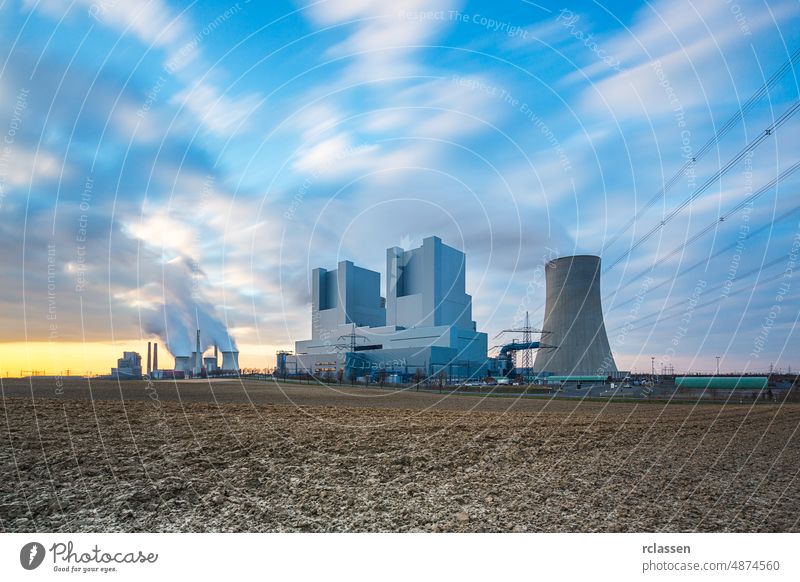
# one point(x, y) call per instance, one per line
point(233, 456)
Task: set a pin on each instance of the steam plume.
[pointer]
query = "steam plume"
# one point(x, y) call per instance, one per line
point(185, 309)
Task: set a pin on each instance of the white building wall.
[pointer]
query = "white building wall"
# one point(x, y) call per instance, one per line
point(347, 294)
point(426, 306)
point(427, 286)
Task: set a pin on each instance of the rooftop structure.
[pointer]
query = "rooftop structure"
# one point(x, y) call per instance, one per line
point(345, 295)
point(426, 287)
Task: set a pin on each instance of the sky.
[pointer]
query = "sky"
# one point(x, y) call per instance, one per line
point(156, 151)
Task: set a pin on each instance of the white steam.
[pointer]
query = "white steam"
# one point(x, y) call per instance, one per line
point(185, 309)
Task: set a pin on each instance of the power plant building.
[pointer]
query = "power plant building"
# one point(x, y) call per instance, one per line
point(573, 320)
point(424, 322)
point(196, 364)
point(129, 367)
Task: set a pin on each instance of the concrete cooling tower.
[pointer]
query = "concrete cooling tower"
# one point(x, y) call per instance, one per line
point(183, 364)
point(573, 320)
point(230, 361)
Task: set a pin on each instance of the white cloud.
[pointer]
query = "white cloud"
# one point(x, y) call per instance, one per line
point(166, 233)
point(152, 21)
point(405, 131)
point(438, 108)
point(334, 156)
point(220, 114)
point(385, 35)
point(316, 119)
point(154, 24)
point(27, 167)
point(696, 52)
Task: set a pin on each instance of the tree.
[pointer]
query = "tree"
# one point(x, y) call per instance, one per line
point(419, 375)
point(440, 378)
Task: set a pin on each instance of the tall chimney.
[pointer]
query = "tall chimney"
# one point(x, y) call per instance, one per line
point(155, 356)
point(198, 363)
point(149, 369)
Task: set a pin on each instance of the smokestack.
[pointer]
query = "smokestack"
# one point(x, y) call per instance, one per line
point(149, 369)
point(216, 356)
point(198, 362)
point(155, 356)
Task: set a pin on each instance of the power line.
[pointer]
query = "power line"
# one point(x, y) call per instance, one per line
point(722, 171)
point(716, 222)
point(741, 277)
point(699, 263)
point(724, 129)
point(716, 300)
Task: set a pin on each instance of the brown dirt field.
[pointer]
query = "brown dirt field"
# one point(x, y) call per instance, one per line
point(119, 460)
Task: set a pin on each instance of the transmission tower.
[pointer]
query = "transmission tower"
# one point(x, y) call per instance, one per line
point(350, 341)
point(523, 358)
point(527, 332)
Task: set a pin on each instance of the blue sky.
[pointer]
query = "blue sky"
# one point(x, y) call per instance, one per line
point(238, 145)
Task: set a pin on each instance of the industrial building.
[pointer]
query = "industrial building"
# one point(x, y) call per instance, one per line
point(422, 325)
point(129, 367)
point(573, 320)
point(195, 364)
point(198, 364)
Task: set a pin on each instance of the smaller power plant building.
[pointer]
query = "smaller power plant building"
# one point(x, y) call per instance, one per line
point(423, 324)
point(129, 367)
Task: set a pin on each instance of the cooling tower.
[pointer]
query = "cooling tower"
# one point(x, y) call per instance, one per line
point(573, 320)
point(183, 364)
point(230, 361)
point(210, 363)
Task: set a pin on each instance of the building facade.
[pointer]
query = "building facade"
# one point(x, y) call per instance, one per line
point(423, 325)
point(129, 367)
